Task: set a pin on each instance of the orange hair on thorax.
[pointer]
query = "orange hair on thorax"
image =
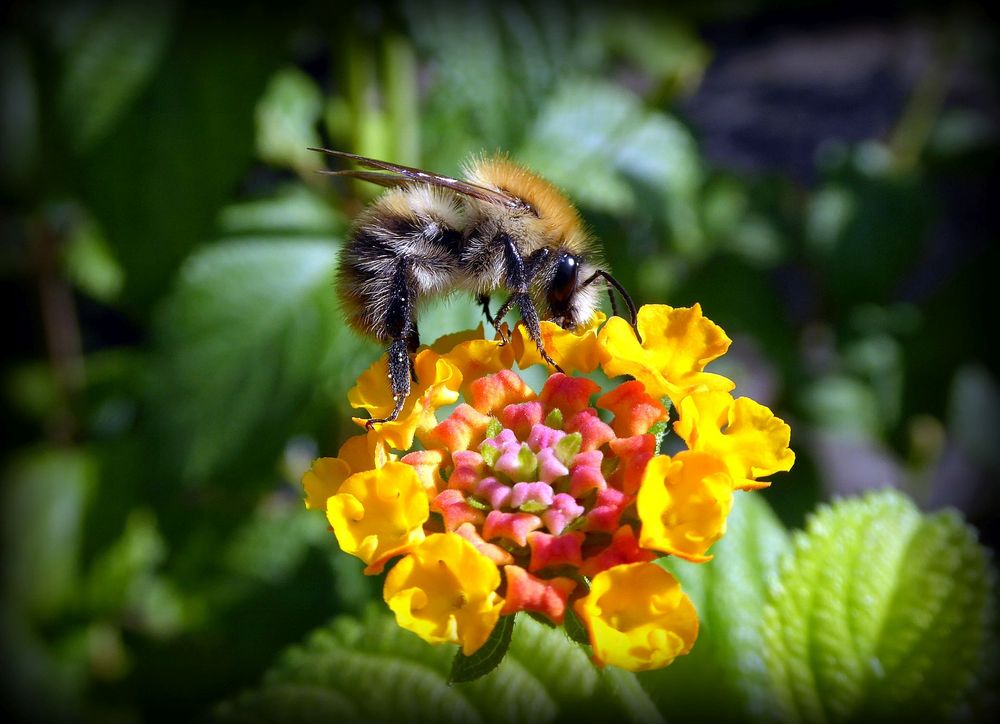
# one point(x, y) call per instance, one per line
point(554, 210)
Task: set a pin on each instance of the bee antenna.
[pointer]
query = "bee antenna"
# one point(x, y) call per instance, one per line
point(633, 312)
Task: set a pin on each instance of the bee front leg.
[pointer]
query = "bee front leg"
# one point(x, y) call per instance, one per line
point(529, 315)
point(501, 313)
point(483, 300)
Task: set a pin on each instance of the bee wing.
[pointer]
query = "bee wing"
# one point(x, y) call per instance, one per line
point(382, 179)
point(394, 174)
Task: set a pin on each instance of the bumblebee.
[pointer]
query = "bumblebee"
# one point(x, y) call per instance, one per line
point(502, 228)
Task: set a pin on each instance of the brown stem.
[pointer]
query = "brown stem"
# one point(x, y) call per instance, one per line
point(61, 329)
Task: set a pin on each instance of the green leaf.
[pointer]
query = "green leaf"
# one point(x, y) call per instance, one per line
point(274, 541)
point(621, 153)
point(487, 657)
point(157, 183)
point(287, 119)
point(111, 54)
point(725, 674)
point(544, 676)
point(495, 64)
point(635, 703)
point(123, 581)
point(880, 611)
point(292, 210)
point(45, 495)
point(288, 703)
point(249, 340)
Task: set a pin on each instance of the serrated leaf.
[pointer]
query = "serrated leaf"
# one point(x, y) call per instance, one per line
point(636, 705)
point(575, 629)
point(879, 611)
point(544, 676)
point(248, 340)
point(487, 657)
point(288, 703)
point(725, 673)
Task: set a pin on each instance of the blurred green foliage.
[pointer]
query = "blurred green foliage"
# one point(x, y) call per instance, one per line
point(177, 355)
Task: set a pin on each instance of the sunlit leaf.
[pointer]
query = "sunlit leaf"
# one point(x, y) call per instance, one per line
point(294, 210)
point(880, 611)
point(544, 677)
point(287, 117)
point(597, 142)
point(726, 673)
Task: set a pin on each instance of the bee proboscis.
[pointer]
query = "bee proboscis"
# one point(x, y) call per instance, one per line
point(503, 227)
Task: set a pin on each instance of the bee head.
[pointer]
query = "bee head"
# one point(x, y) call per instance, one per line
point(566, 286)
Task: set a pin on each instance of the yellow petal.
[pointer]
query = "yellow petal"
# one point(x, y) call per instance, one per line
point(444, 591)
point(746, 435)
point(683, 504)
point(676, 346)
point(438, 381)
point(638, 617)
point(574, 350)
point(378, 514)
point(322, 481)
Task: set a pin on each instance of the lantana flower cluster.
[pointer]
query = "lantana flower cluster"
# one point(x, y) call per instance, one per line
point(492, 498)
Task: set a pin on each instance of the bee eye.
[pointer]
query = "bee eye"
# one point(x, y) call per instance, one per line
point(564, 279)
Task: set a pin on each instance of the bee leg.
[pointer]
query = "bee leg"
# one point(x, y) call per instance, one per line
point(400, 369)
point(401, 328)
point(633, 312)
point(412, 345)
point(530, 318)
point(501, 313)
point(519, 275)
point(483, 300)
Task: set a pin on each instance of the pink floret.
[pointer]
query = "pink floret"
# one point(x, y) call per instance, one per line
point(586, 474)
point(469, 470)
point(568, 394)
point(494, 492)
point(607, 510)
point(540, 493)
point(549, 467)
point(454, 509)
point(595, 432)
point(512, 526)
point(542, 436)
point(563, 511)
point(554, 550)
point(522, 417)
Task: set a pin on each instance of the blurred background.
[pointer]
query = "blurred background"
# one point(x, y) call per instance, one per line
point(816, 175)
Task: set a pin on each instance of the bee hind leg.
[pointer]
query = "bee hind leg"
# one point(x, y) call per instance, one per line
point(400, 368)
